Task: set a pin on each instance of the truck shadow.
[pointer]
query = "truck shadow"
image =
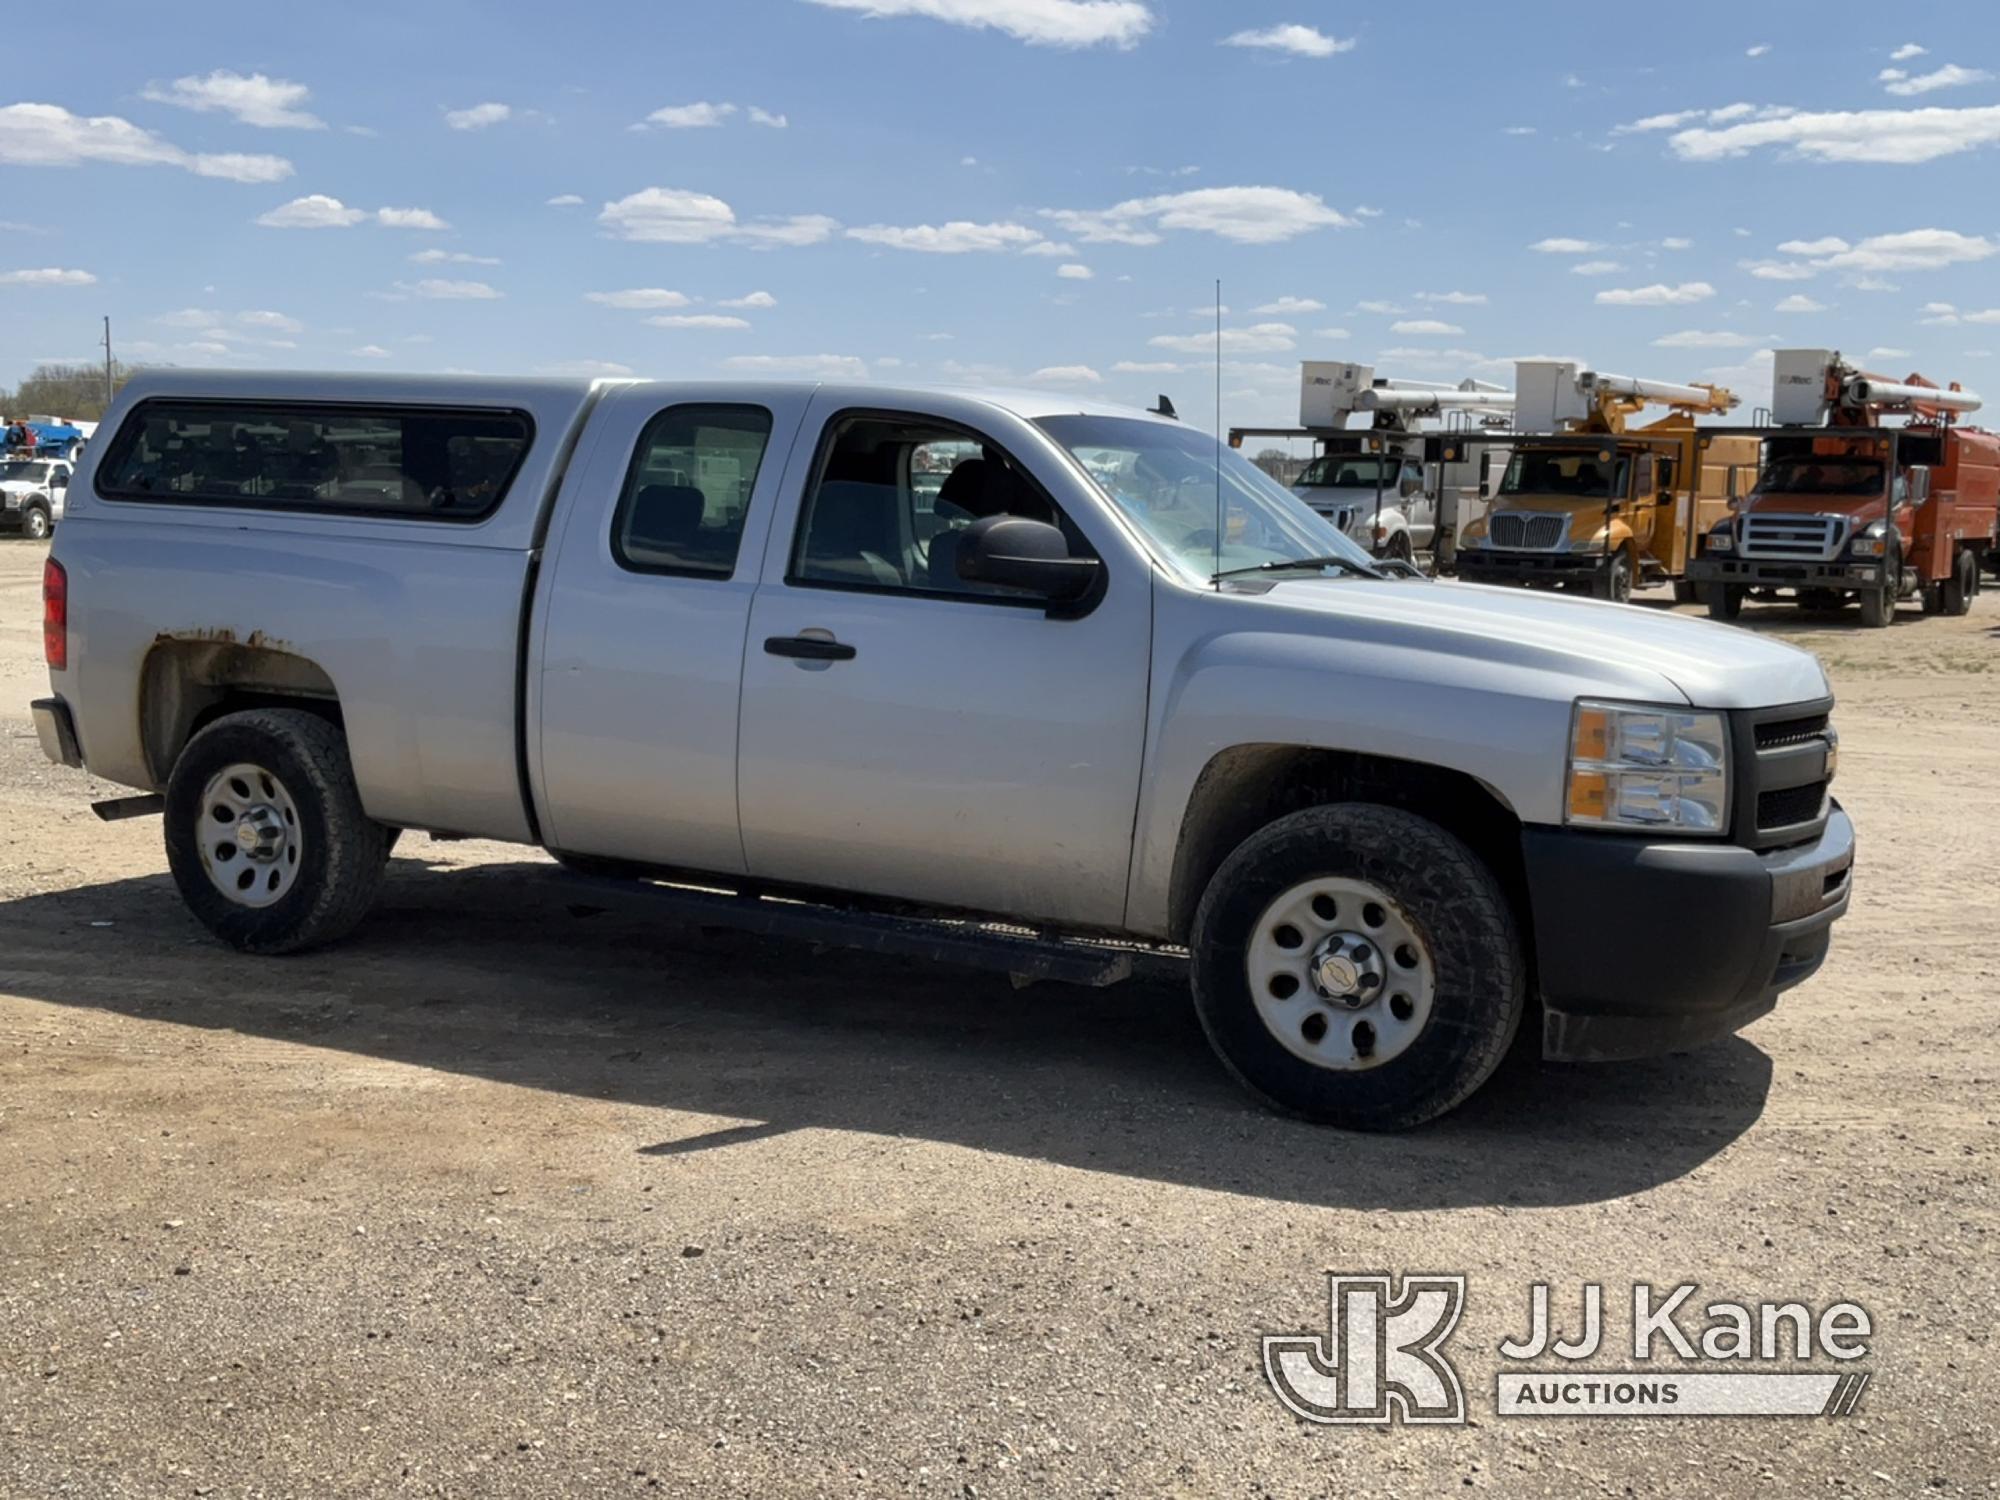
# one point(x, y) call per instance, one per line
point(487, 972)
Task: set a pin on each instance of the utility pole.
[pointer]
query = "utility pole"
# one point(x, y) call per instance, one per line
point(107, 362)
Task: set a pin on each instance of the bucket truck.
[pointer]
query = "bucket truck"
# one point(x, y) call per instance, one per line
point(1847, 506)
point(1390, 485)
point(1589, 500)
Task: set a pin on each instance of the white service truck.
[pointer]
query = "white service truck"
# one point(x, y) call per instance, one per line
point(1105, 681)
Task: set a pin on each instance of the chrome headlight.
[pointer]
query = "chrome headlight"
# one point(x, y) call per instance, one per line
point(1638, 767)
point(1722, 539)
point(1872, 541)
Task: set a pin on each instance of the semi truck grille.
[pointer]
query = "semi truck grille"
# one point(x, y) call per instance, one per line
point(1790, 806)
point(1525, 531)
point(1793, 538)
point(1781, 732)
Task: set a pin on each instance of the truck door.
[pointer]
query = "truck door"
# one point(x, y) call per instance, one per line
point(907, 734)
point(633, 690)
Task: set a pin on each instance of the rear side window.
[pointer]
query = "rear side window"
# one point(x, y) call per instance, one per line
point(430, 463)
point(689, 485)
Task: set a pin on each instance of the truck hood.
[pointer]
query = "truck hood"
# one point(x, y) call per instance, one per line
point(1709, 665)
point(21, 487)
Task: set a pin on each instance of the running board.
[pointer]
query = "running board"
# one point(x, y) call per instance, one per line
point(1023, 955)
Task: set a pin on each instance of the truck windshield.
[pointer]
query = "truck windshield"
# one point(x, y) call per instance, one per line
point(31, 473)
point(1163, 477)
point(1532, 473)
point(1339, 472)
point(1821, 476)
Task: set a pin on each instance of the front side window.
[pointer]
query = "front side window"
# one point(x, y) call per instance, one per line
point(1208, 509)
point(1585, 474)
point(1811, 475)
point(893, 499)
point(688, 489)
point(1342, 472)
point(431, 463)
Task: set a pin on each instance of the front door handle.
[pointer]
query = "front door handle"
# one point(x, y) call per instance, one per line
point(808, 648)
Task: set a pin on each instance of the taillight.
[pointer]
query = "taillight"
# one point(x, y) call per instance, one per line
point(55, 615)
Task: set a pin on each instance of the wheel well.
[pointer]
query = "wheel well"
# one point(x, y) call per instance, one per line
point(1249, 786)
point(187, 684)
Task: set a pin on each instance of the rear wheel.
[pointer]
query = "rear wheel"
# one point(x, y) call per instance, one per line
point(35, 525)
point(1725, 601)
point(1955, 596)
point(265, 833)
point(1687, 591)
point(1357, 965)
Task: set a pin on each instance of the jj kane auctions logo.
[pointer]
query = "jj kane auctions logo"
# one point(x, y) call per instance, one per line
point(1382, 1358)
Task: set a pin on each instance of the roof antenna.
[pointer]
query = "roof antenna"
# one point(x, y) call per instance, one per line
point(1218, 435)
point(1165, 408)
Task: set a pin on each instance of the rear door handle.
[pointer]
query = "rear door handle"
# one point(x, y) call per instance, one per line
point(808, 648)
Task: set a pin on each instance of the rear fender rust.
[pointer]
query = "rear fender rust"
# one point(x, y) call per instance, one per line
point(190, 672)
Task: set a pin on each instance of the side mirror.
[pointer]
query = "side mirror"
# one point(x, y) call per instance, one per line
point(1411, 487)
point(1030, 555)
point(1920, 483)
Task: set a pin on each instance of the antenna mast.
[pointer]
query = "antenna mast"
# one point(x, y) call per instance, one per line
point(1218, 434)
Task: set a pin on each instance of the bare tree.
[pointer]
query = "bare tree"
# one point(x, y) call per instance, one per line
point(1279, 464)
point(75, 391)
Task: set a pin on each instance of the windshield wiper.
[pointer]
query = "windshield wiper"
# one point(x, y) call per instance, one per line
point(1279, 565)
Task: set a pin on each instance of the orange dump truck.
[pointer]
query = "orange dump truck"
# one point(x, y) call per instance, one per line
point(1846, 507)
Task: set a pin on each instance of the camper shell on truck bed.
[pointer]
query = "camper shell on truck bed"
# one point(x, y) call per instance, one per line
point(897, 654)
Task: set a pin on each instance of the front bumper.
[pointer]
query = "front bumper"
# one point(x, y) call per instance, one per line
point(1644, 948)
point(1764, 572)
point(1481, 565)
point(57, 731)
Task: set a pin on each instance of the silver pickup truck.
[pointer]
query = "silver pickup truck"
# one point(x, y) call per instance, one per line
point(982, 657)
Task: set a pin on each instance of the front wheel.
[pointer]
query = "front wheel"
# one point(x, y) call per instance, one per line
point(1614, 579)
point(265, 832)
point(1878, 607)
point(1725, 601)
point(35, 524)
point(1357, 965)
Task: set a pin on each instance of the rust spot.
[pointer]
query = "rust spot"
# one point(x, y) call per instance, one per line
point(222, 635)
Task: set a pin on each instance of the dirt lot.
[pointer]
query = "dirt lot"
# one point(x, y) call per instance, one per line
point(494, 1199)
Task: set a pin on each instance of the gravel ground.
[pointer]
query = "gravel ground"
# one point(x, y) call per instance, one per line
point(495, 1199)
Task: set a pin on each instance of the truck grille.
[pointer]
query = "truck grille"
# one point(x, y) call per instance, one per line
point(1793, 538)
point(1526, 531)
point(1779, 733)
point(1790, 806)
point(1780, 759)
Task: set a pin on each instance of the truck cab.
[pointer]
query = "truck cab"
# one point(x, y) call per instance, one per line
point(1378, 498)
point(33, 492)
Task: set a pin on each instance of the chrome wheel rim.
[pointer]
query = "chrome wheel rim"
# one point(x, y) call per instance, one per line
point(1339, 974)
point(249, 835)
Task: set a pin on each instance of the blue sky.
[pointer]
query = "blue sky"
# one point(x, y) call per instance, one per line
point(1008, 190)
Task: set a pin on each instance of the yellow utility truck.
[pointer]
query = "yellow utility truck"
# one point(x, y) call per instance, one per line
point(1591, 502)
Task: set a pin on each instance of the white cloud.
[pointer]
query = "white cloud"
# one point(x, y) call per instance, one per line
point(1595, 267)
point(277, 322)
point(47, 276)
point(1900, 136)
point(639, 297)
point(1258, 338)
point(1695, 338)
point(1074, 272)
point(1912, 250)
point(1331, 333)
point(711, 321)
point(1757, 51)
point(760, 116)
point(749, 299)
point(1984, 315)
point(1364, 211)
point(255, 100)
point(1656, 295)
point(958, 237)
point(1561, 245)
point(1045, 23)
point(1382, 309)
point(1286, 306)
point(1874, 284)
point(674, 216)
point(409, 218)
point(1831, 244)
point(1145, 367)
point(1300, 41)
point(1882, 351)
point(47, 135)
point(478, 117)
point(1907, 51)
point(1676, 242)
point(1244, 215)
point(1053, 249)
point(1455, 299)
point(314, 211)
point(189, 317)
point(370, 351)
point(435, 257)
point(1519, 130)
point(1067, 375)
point(1778, 270)
point(450, 291)
point(1659, 122)
point(1951, 75)
point(1428, 327)
point(1798, 303)
point(589, 369)
point(806, 366)
point(702, 116)
point(564, 200)
point(1939, 314)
